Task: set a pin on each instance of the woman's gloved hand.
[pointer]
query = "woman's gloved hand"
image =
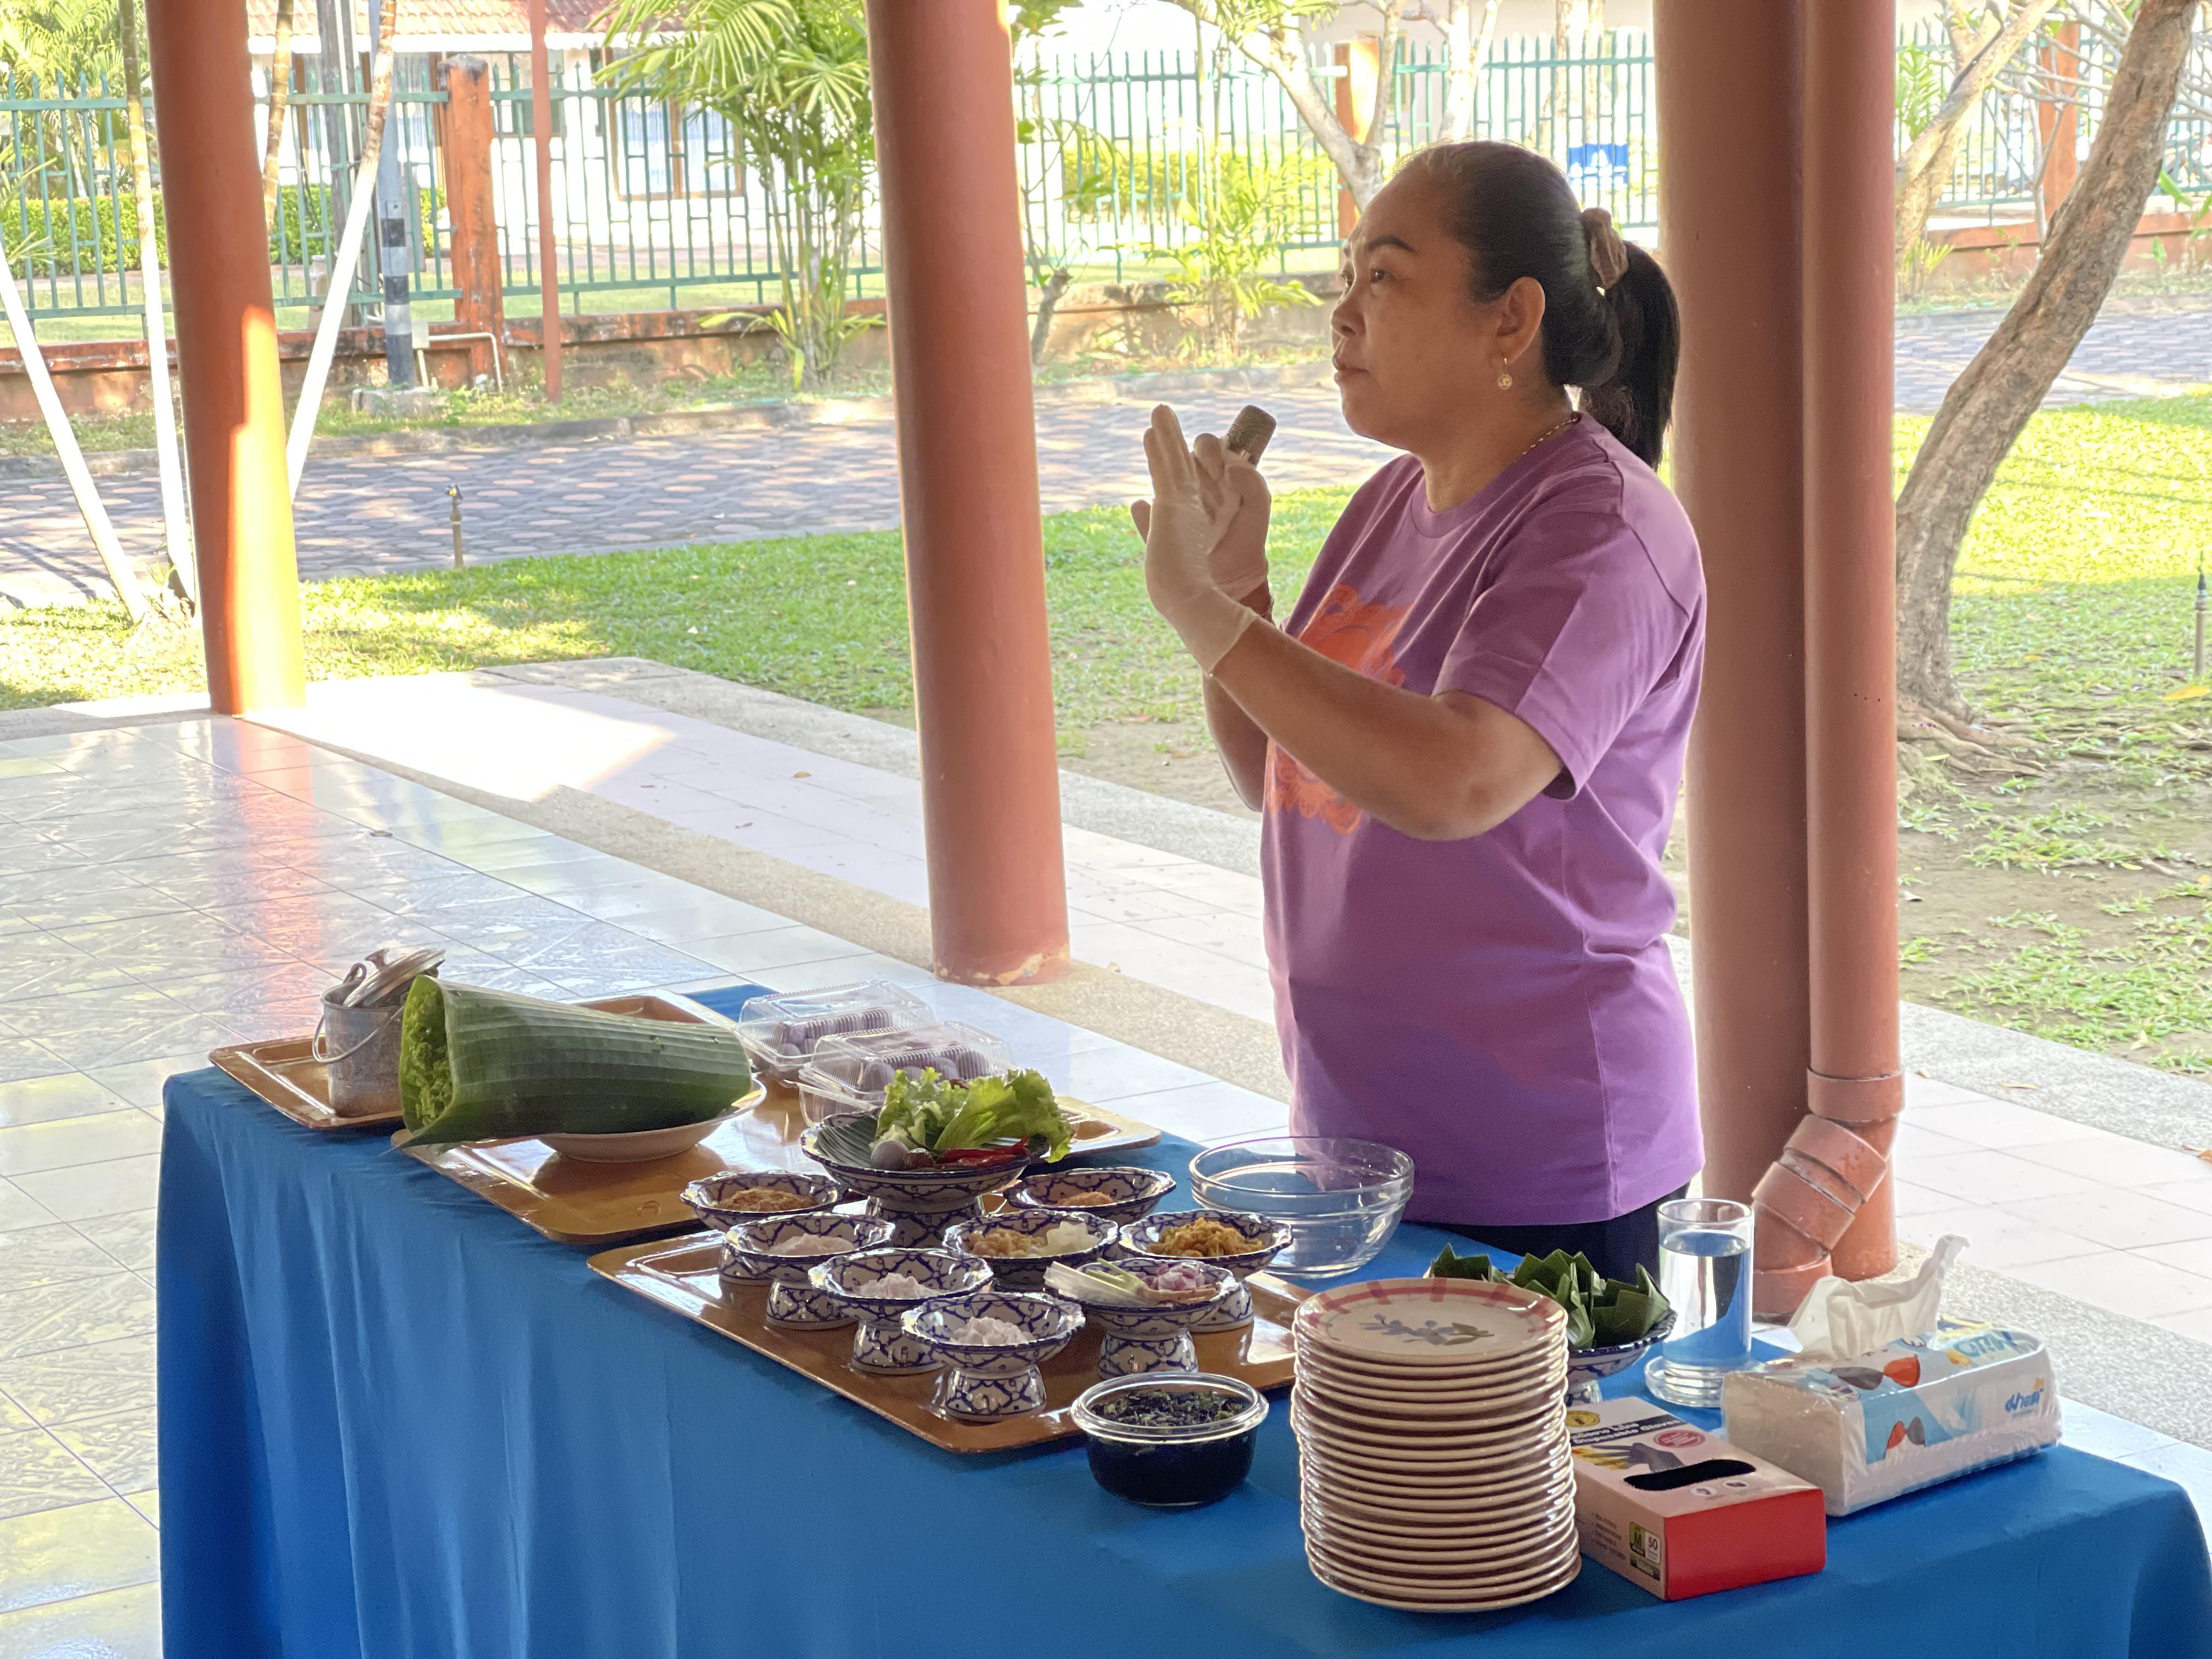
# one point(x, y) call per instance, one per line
point(1206, 538)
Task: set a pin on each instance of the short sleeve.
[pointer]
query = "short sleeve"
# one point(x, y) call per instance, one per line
point(1573, 634)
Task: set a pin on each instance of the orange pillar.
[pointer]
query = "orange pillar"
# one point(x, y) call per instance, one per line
point(2058, 124)
point(1728, 103)
point(1850, 591)
point(1358, 84)
point(227, 355)
point(968, 488)
point(549, 272)
point(465, 136)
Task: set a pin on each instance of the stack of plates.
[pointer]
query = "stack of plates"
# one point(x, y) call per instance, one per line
point(1433, 1460)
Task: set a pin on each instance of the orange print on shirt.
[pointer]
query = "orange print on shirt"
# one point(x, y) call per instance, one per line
point(1359, 634)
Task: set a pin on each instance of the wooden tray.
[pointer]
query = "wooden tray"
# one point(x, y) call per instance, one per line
point(573, 1202)
point(686, 1277)
point(284, 1071)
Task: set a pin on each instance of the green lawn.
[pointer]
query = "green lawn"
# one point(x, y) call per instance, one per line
point(2072, 621)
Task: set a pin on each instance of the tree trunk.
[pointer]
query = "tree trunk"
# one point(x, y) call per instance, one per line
point(1986, 409)
point(1048, 301)
point(1360, 166)
point(1925, 167)
point(1466, 48)
point(280, 90)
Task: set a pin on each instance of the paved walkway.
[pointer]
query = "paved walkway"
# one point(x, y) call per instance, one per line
point(375, 513)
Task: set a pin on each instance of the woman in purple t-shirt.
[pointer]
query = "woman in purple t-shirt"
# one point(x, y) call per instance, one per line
point(1467, 736)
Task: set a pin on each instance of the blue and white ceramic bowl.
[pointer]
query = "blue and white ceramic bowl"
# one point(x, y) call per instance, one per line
point(882, 1344)
point(1134, 1193)
point(986, 1380)
point(1141, 1238)
point(1158, 1338)
point(1587, 1367)
point(1026, 1273)
point(709, 1199)
point(922, 1202)
point(749, 1253)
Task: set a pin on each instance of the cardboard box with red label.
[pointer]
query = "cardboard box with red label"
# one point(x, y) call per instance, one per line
point(1682, 1512)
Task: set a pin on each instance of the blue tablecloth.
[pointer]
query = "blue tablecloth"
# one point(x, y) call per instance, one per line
point(395, 1424)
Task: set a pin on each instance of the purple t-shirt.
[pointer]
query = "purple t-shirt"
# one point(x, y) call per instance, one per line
point(1502, 1009)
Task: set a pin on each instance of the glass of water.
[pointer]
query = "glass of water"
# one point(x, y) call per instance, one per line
point(1704, 1273)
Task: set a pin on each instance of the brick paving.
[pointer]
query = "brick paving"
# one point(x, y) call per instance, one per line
point(382, 513)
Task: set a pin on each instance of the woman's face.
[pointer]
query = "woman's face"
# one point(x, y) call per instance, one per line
point(1416, 355)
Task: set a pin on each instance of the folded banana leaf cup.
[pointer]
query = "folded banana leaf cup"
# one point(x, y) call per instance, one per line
point(483, 1065)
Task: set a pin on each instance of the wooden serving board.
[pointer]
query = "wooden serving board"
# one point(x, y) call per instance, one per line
point(284, 1071)
point(685, 1276)
point(573, 1202)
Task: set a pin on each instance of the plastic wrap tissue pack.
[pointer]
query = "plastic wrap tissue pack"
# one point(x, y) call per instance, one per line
point(1912, 1413)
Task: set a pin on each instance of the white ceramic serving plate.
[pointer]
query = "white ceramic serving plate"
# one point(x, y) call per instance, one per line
point(1432, 1324)
point(1431, 1530)
point(1429, 1382)
point(1474, 1593)
point(1474, 1429)
point(643, 1146)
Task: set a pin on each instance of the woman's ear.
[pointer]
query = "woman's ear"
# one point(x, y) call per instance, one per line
point(1520, 318)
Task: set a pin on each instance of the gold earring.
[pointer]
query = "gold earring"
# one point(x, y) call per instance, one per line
point(1505, 377)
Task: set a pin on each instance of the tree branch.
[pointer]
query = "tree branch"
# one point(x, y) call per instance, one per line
point(1925, 167)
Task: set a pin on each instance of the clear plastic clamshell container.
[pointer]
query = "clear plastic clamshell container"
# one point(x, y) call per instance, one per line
point(850, 1074)
point(781, 1032)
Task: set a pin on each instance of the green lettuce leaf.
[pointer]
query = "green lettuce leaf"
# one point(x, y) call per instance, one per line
point(1601, 1312)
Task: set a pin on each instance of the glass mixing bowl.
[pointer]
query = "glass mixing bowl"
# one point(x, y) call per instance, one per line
point(1341, 1199)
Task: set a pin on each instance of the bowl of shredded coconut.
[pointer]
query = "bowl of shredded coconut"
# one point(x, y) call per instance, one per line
point(991, 1343)
point(881, 1286)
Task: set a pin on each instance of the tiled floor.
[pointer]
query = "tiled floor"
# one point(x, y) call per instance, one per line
point(180, 887)
point(175, 887)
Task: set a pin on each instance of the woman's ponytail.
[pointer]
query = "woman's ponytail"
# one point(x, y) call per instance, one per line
point(1610, 326)
point(1636, 401)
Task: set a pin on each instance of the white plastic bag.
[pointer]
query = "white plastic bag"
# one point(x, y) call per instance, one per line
point(1840, 1321)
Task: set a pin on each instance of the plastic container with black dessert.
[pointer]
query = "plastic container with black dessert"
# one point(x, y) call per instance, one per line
point(850, 1074)
point(780, 1032)
point(1170, 1439)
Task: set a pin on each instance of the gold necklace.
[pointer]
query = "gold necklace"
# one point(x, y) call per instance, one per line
point(1552, 432)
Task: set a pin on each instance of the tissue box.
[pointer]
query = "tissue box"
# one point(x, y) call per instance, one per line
point(1917, 1411)
point(1682, 1512)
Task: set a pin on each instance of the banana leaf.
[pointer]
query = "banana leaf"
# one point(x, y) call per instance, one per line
point(482, 1065)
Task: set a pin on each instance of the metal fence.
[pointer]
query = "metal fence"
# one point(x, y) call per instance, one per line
point(652, 204)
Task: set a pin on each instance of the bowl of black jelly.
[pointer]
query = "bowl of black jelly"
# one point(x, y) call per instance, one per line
point(1171, 1439)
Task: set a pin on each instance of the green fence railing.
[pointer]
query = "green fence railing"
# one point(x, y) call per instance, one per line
point(652, 204)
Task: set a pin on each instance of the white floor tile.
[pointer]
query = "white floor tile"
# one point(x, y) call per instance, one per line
point(2121, 1283)
point(2090, 1430)
point(2119, 1161)
point(1999, 1124)
point(1996, 1238)
point(2188, 1468)
point(1994, 1177)
point(2116, 1218)
point(2197, 1325)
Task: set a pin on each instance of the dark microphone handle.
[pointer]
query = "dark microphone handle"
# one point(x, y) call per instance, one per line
point(1249, 432)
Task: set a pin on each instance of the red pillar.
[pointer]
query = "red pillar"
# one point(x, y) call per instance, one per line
point(1358, 84)
point(465, 137)
point(968, 488)
point(227, 355)
point(1729, 105)
point(2058, 124)
point(1851, 590)
point(549, 272)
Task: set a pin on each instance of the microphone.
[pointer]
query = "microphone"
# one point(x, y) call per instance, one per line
point(1249, 432)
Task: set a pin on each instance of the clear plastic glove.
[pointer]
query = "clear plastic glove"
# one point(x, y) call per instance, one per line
point(1194, 507)
point(1238, 562)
